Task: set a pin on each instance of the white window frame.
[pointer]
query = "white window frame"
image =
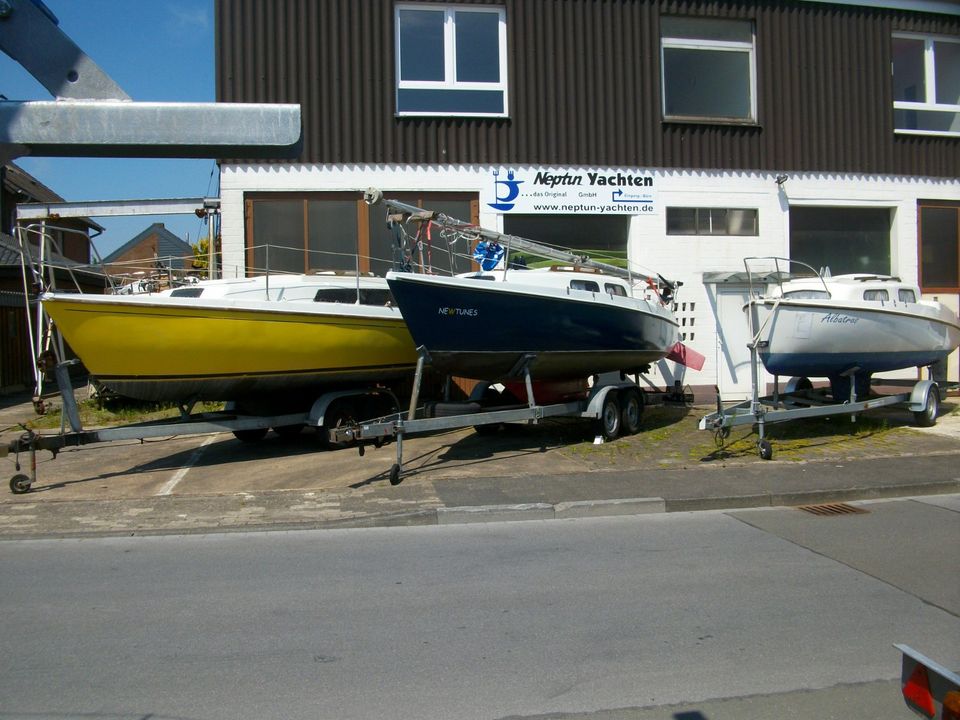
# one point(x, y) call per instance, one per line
point(450, 81)
point(717, 46)
point(930, 83)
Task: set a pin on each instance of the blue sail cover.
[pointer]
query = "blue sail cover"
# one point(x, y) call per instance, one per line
point(488, 254)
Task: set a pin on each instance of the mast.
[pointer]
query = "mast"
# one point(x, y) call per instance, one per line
point(510, 242)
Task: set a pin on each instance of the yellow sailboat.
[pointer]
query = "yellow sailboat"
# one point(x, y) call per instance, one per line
point(233, 339)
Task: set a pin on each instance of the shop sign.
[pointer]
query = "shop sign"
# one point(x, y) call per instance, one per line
point(570, 191)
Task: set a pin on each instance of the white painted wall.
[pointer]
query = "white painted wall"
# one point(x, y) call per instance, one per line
point(650, 249)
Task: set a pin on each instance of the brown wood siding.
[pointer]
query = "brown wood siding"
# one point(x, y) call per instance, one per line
point(584, 87)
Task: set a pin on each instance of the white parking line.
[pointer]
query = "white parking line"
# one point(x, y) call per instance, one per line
point(182, 472)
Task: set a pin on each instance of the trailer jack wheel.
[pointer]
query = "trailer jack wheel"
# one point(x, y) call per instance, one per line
point(395, 474)
point(20, 484)
point(766, 449)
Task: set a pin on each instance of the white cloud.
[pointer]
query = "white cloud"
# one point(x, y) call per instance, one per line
point(184, 17)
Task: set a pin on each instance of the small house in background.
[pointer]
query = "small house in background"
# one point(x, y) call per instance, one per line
point(69, 257)
point(154, 252)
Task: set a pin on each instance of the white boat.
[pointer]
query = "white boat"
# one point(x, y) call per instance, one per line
point(275, 337)
point(845, 326)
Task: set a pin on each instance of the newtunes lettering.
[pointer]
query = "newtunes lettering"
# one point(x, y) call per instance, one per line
point(459, 312)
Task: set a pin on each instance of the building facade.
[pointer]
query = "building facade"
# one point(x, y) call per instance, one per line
point(681, 135)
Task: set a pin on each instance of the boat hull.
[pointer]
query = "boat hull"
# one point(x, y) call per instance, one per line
point(811, 340)
point(483, 330)
point(176, 349)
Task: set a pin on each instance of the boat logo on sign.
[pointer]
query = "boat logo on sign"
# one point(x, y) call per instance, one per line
point(458, 312)
point(506, 202)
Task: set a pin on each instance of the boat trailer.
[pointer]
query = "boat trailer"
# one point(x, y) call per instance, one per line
point(328, 410)
point(802, 400)
point(615, 407)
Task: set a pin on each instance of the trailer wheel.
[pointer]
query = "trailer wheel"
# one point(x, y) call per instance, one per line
point(609, 420)
point(928, 416)
point(250, 436)
point(631, 411)
point(766, 450)
point(20, 484)
point(395, 474)
point(288, 431)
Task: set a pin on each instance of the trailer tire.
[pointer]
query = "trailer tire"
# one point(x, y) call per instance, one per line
point(250, 436)
point(609, 424)
point(928, 416)
point(20, 484)
point(765, 449)
point(395, 478)
point(631, 410)
point(288, 431)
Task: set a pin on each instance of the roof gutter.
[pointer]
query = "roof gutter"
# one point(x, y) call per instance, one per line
point(942, 7)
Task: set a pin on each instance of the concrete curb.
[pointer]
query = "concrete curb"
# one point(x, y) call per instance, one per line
point(546, 511)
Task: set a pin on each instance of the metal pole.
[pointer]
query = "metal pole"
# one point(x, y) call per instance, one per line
point(211, 255)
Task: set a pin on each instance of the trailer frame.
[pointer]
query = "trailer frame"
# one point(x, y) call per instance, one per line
point(801, 400)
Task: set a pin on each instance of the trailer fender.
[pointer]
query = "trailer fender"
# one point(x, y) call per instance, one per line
point(919, 395)
point(597, 396)
point(322, 404)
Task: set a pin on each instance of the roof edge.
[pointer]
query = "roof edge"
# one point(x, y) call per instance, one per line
point(941, 7)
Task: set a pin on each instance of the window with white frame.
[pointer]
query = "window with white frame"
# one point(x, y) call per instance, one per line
point(708, 69)
point(451, 60)
point(713, 221)
point(926, 84)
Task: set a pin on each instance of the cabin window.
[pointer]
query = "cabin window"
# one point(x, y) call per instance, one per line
point(907, 296)
point(708, 68)
point(187, 292)
point(713, 221)
point(807, 295)
point(588, 285)
point(939, 246)
point(882, 295)
point(451, 60)
point(368, 296)
point(614, 289)
point(926, 84)
point(841, 239)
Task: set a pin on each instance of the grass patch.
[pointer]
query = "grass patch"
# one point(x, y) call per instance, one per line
point(116, 411)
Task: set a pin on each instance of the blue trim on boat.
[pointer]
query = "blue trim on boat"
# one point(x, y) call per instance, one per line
point(830, 364)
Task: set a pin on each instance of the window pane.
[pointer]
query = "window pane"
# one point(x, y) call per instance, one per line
point(704, 29)
point(929, 120)
point(947, 58)
point(478, 46)
point(706, 83)
point(604, 236)
point(846, 240)
point(742, 222)
point(279, 224)
point(908, 83)
point(681, 221)
point(421, 45)
point(939, 245)
point(705, 221)
point(488, 102)
point(332, 235)
point(438, 252)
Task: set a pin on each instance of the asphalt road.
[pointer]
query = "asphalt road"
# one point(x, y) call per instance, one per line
point(747, 614)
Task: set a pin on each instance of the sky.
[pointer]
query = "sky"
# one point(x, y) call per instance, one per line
point(156, 50)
